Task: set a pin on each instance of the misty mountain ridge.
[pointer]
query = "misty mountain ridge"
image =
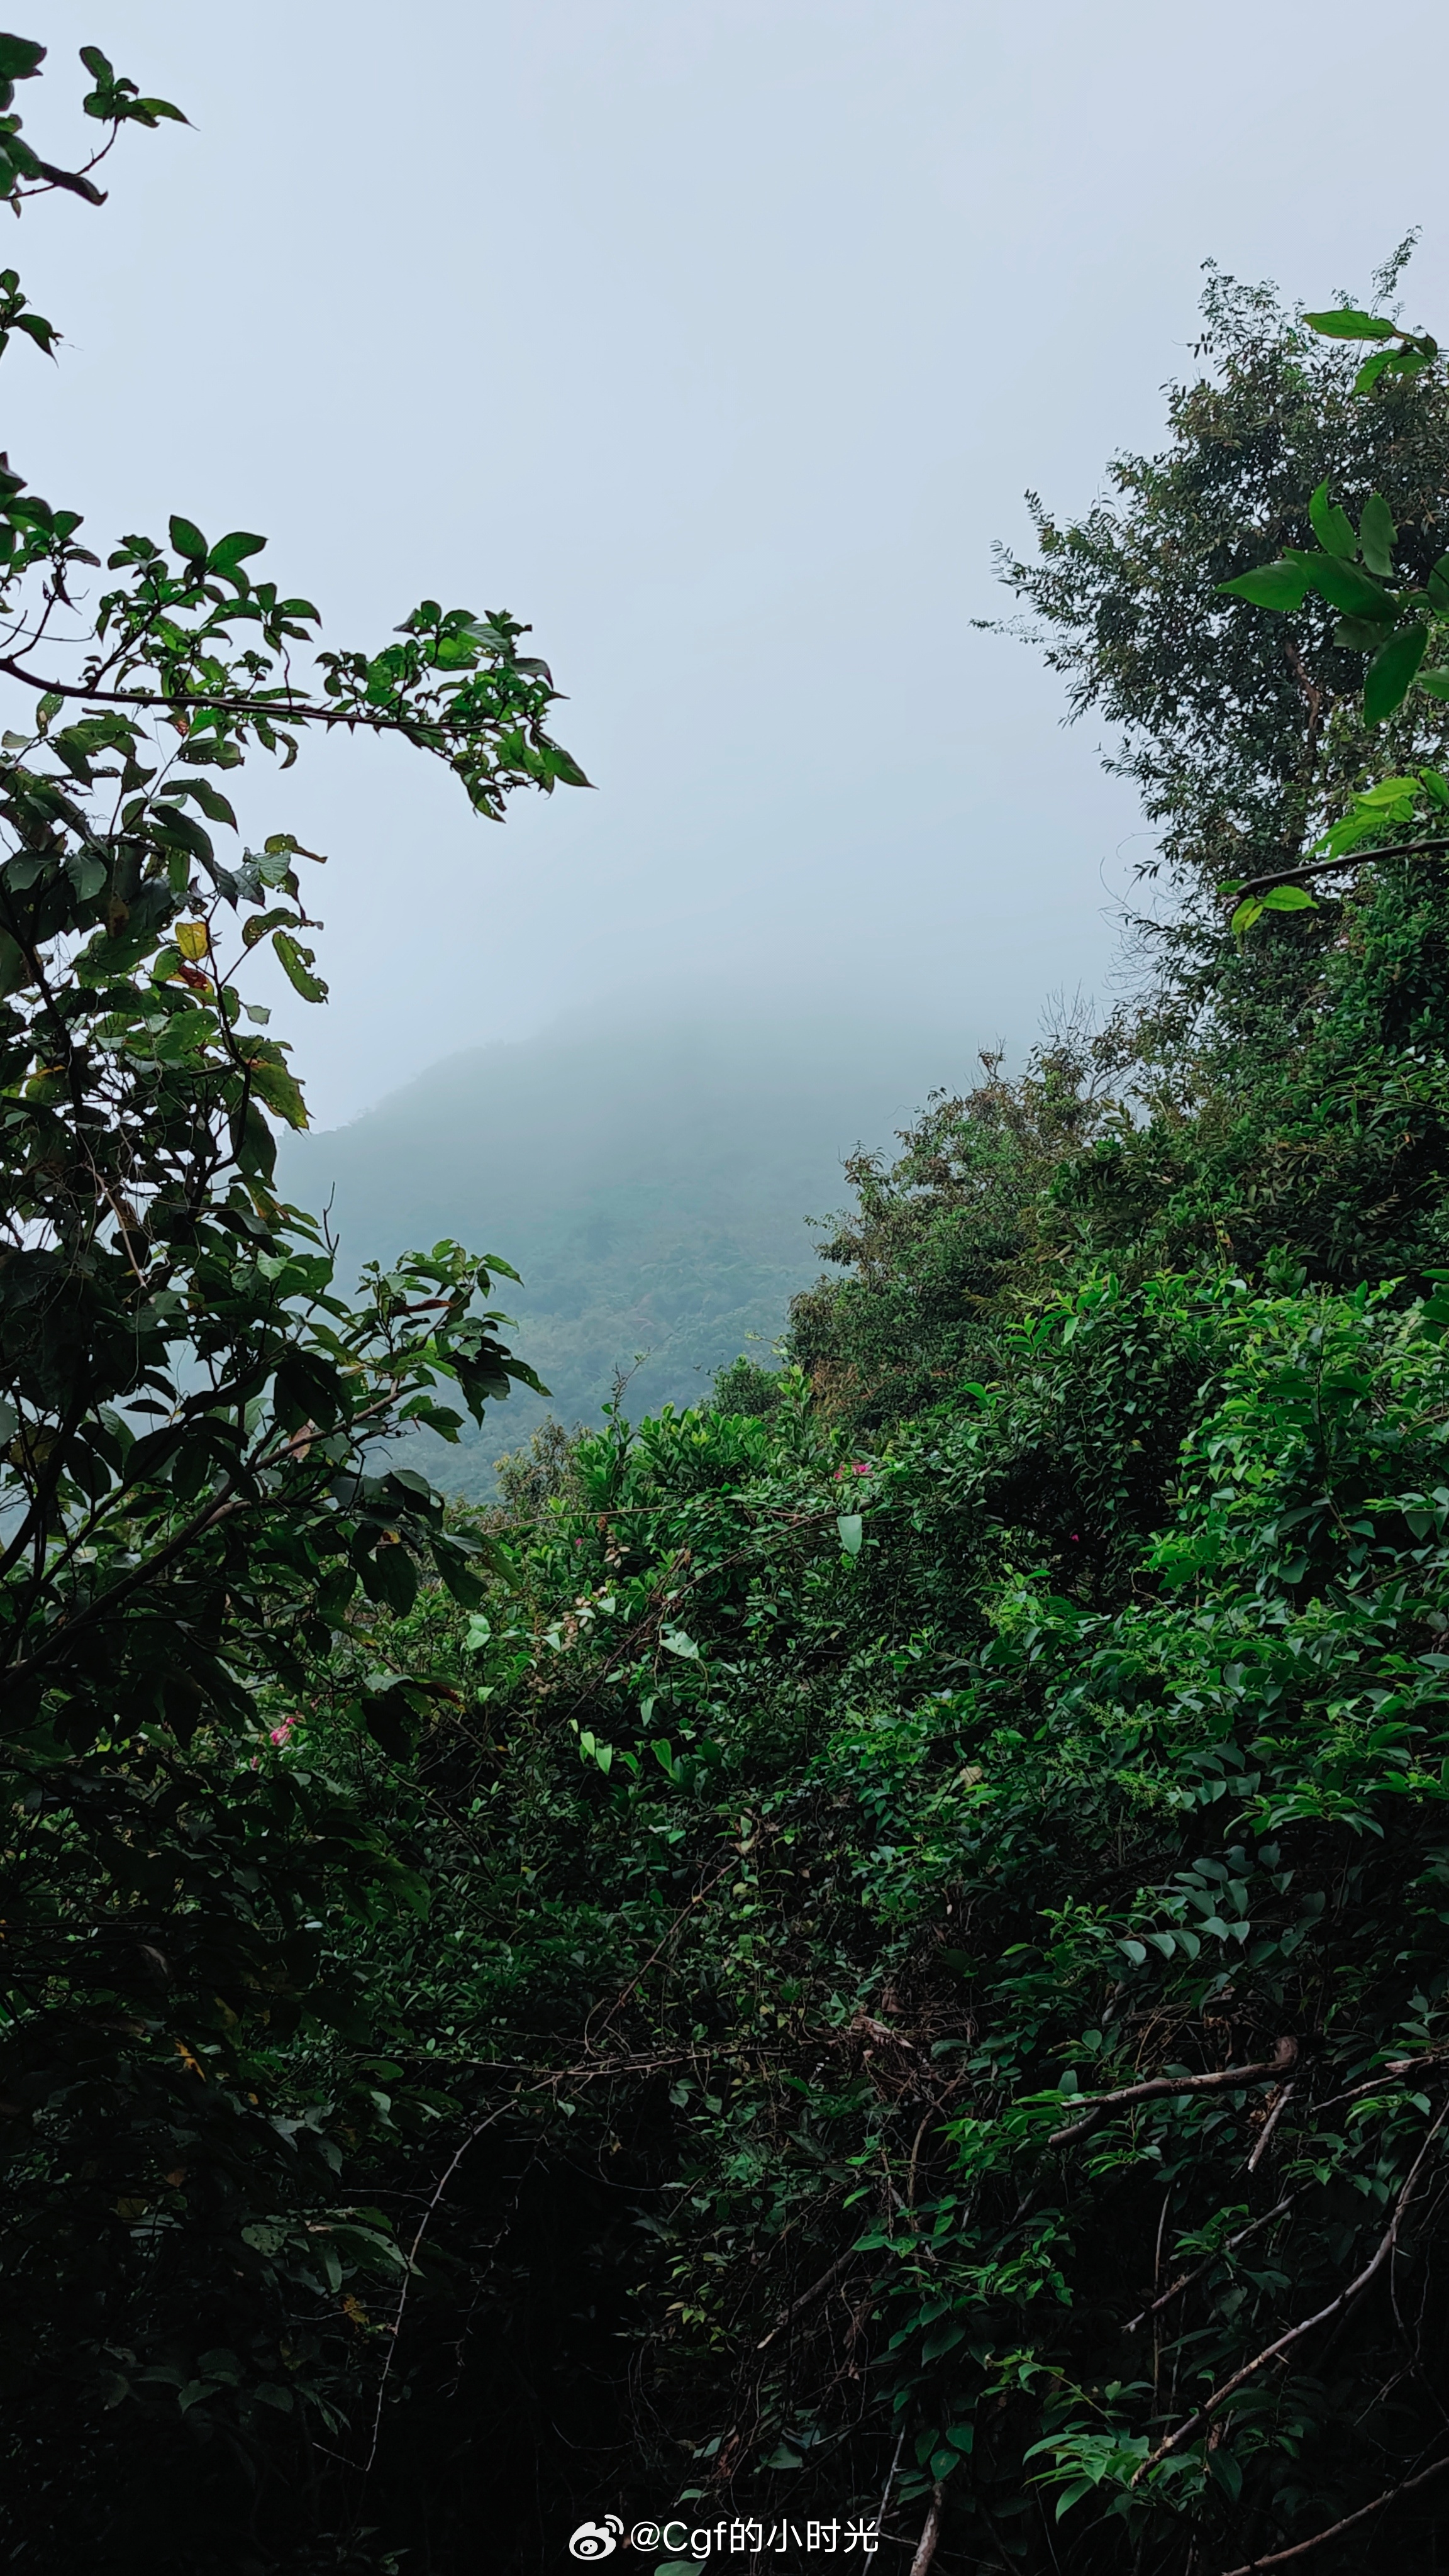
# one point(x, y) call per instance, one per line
point(651, 1185)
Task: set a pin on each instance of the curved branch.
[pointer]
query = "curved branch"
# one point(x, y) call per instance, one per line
point(282, 707)
point(1319, 867)
point(425, 732)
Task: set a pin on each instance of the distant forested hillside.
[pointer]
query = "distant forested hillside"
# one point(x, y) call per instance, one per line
point(651, 1188)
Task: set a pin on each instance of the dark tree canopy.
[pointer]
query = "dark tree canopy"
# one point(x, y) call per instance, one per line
point(1243, 733)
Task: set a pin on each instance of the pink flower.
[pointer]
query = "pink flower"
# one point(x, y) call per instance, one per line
point(281, 1733)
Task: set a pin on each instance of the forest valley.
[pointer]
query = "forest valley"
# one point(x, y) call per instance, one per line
point(875, 1948)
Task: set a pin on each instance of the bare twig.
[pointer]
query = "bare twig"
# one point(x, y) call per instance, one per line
point(1280, 2105)
point(891, 2472)
point(424, 2222)
point(1301, 2548)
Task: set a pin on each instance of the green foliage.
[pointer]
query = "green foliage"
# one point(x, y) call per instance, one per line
point(991, 1938)
point(1316, 1133)
point(1394, 627)
point(946, 1247)
point(1246, 734)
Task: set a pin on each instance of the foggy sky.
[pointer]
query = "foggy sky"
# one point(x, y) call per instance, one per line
point(719, 338)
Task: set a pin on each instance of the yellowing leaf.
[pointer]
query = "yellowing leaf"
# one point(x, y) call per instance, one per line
point(191, 939)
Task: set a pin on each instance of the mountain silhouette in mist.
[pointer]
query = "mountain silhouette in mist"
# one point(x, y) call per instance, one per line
point(651, 1185)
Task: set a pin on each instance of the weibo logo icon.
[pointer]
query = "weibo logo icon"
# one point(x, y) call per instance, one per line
point(597, 2539)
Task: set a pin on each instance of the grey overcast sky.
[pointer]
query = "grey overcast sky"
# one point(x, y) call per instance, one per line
point(719, 338)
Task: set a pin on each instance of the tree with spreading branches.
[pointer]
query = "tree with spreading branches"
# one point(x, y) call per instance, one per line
point(194, 1426)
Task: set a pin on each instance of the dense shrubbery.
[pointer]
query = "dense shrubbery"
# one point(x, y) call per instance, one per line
point(1320, 1137)
point(813, 1838)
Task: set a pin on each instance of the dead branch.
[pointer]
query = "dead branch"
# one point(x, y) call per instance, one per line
point(424, 2222)
point(926, 2547)
point(1161, 2086)
point(1279, 2106)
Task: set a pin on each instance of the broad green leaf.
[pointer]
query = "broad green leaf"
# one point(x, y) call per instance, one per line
point(852, 1530)
point(187, 540)
point(1343, 323)
point(176, 830)
point(461, 1579)
point(1344, 586)
point(1331, 525)
point(216, 807)
point(1378, 535)
point(1357, 635)
point(229, 552)
point(1248, 911)
point(297, 962)
point(1227, 2471)
point(1436, 682)
point(20, 58)
point(1277, 585)
point(257, 925)
point(278, 1090)
point(1392, 792)
point(1391, 673)
point(1287, 898)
